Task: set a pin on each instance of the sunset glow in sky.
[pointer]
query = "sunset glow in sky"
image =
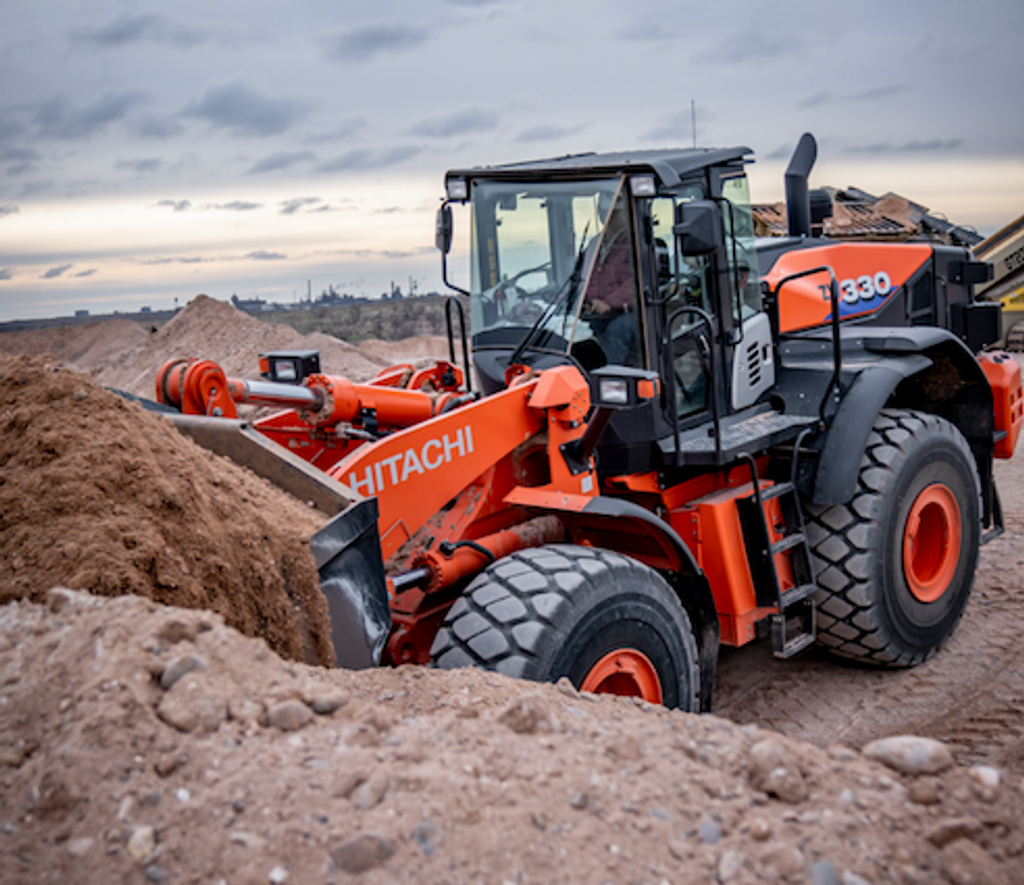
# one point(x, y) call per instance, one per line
point(149, 152)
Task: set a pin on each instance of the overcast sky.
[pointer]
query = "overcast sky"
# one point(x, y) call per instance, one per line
point(149, 152)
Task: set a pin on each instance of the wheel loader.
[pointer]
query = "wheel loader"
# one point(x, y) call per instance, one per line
point(660, 435)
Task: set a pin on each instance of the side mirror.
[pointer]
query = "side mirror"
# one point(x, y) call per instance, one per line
point(443, 229)
point(698, 227)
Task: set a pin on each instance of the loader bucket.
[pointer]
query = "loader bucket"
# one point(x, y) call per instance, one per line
point(346, 550)
point(348, 558)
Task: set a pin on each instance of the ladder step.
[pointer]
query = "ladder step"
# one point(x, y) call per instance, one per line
point(795, 645)
point(776, 491)
point(788, 542)
point(795, 594)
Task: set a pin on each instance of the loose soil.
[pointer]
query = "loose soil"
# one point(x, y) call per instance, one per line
point(172, 724)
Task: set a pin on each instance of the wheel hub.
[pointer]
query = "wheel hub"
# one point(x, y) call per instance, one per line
point(626, 672)
point(931, 542)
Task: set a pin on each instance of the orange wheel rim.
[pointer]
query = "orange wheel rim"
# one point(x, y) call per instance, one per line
point(931, 542)
point(627, 672)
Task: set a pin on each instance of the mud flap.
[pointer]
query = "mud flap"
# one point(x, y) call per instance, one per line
point(347, 555)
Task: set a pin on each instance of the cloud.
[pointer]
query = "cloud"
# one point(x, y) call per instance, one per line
point(18, 154)
point(5, 273)
point(644, 32)
point(367, 41)
point(145, 166)
point(36, 187)
point(239, 108)
point(280, 160)
point(460, 122)
point(17, 169)
point(263, 255)
point(546, 133)
point(345, 129)
point(157, 128)
point(675, 128)
point(235, 206)
point(86, 273)
point(363, 158)
point(826, 97)
point(55, 272)
point(128, 28)
point(58, 118)
point(911, 147)
point(290, 207)
point(9, 209)
point(176, 205)
point(178, 260)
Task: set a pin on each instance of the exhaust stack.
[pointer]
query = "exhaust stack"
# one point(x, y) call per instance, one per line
point(798, 199)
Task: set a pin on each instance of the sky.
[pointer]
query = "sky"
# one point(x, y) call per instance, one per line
point(150, 152)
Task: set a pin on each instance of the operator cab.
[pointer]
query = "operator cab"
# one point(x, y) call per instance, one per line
point(644, 260)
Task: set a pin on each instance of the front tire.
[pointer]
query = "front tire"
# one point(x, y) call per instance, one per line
point(607, 622)
point(896, 565)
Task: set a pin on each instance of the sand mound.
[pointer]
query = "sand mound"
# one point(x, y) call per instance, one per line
point(100, 495)
point(144, 743)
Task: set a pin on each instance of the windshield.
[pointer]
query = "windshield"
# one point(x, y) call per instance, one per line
point(529, 255)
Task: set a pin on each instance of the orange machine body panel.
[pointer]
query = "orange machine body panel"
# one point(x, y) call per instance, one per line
point(1003, 373)
point(710, 527)
point(869, 275)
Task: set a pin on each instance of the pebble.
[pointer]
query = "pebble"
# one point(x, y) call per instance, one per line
point(141, 842)
point(773, 770)
point(289, 715)
point(924, 791)
point(362, 853)
point(178, 668)
point(953, 828)
point(851, 878)
point(528, 714)
point(966, 863)
point(327, 704)
point(427, 837)
point(985, 781)
point(369, 794)
point(729, 864)
point(80, 847)
point(760, 829)
point(155, 873)
point(821, 872)
point(709, 832)
point(909, 754)
point(278, 875)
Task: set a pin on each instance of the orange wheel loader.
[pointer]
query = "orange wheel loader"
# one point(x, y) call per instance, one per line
point(669, 435)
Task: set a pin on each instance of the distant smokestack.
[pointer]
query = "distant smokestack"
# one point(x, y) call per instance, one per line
point(798, 201)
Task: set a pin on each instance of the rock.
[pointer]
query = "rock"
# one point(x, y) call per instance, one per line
point(155, 873)
point(625, 748)
point(327, 704)
point(911, 755)
point(709, 832)
point(985, 782)
point(567, 688)
point(142, 842)
point(760, 829)
point(79, 847)
point(362, 853)
point(370, 792)
point(774, 771)
point(924, 791)
point(528, 714)
point(821, 872)
point(851, 878)
point(59, 598)
point(178, 668)
point(729, 864)
point(289, 715)
point(966, 863)
point(189, 711)
point(954, 828)
point(427, 837)
point(788, 860)
point(680, 850)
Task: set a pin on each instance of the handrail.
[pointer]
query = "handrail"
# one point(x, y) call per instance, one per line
point(709, 366)
point(451, 338)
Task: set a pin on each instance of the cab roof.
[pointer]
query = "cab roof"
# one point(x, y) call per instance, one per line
point(670, 165)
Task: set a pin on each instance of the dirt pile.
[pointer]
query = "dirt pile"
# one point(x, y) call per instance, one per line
point(123, 355)
point(100, 495)
point(143, 743)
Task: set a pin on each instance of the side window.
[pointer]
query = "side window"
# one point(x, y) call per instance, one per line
point(691, 290)
point(742, 255)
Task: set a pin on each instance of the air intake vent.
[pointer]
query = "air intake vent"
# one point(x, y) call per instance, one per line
point(754, 364)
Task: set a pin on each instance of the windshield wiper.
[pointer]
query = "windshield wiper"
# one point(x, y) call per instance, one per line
point(565, 293)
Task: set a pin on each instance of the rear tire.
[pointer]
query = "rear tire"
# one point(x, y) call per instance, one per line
point(607, 622)
point(896, 565)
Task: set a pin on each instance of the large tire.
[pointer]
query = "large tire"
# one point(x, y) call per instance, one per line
point(896, 565)
point(607, 622)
